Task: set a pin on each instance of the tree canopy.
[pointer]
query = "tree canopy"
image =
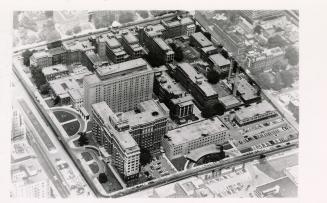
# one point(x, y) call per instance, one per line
point(103, 178)
point(145, 156)
point(83, 140)
point(213, 110)
point(213, 77)
point(292, 54)
point(26, 57)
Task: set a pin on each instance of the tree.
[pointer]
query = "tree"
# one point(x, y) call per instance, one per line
point(126, 17)
point(48, 14)
point(38, 77)
point(276, 41)
point(292, 54)
point(213, 77)
point(44, 89)
point(207, 35)
point(77, 29)
point(69, 32)
point(83, 140)
point(278, 66)
point(28, 23)
point(179, 56)
point(224, 53)
point(257, 29)
point(145, 156)
point(56, 100)
point(26, 57)
point(287, 78)
point(213, 109)
point(143, 13)
point(103, 178)
point(197, 28)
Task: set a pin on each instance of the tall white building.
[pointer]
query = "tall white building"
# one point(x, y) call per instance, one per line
point(111, 132)
point(122, 86)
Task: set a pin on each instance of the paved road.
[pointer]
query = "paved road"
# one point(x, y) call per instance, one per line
point(202, 170)
point(20, 92)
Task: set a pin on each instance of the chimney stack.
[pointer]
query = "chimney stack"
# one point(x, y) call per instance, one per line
point(230, 69)
point(236, 81)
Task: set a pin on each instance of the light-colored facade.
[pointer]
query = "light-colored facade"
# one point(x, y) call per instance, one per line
point(76, 98)
point(111, 132)
point(41, 59)
point(131, 45)
point(264, 61)
point(55, 72)
point(148, 124)
point(114, 49)
point(181, 141)
point(122, 86)
point(254, 113)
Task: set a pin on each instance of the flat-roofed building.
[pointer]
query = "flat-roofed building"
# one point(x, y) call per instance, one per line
point(114, 49)
point(199, 41)
point(179, 27)
point(205, 52)
point(149, 32)
point(55, 72)
point(183, 140)
point(173, 95)
point(255, 15)
point(76, 98)
point(122, 85)
point(75, 50)
point(148, 124)
point(203, 92)
point(61, 87)
point(131, 45)
point(230, 101)
point(91, 60)
point(111, 132)
point(263, 61)
point(158, 47)
point(58, 55)
point(255, 112)
point(41, 59)
point(219, 63)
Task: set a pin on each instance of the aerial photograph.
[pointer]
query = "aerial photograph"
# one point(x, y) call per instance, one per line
point(154, 104)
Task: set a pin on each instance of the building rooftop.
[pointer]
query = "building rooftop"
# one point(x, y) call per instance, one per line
point(122, 68)
point(209, 48)
point(54, 69)
point(198, 79)
point(246, 90)
point(130, 38)
point(76, 94)
point(78, 45)
point(94, 58)
point(41, 54)
point(57, 50)
point(219, 60)
point(201, 39)
point(183, 101)
point(113, 42)
point(169, 84)
point(154, 30)
point(173, 23)
point(229, 101)
point(186, 20)
point(253, 110)
point(162, 44)
point(147, 111)
point(123, 138)
point(194, 131)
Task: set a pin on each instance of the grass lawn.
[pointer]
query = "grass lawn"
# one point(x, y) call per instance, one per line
point(72, 127)
point(179, 163)
point(94, 167)
point(112, 184)
point(63, 116)
point(87, 156)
